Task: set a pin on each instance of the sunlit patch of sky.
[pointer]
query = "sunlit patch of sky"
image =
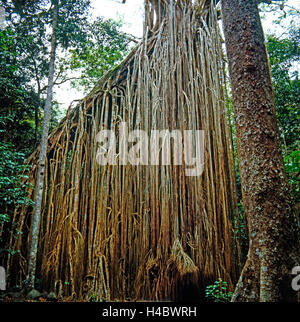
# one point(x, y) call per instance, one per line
point(131, 13)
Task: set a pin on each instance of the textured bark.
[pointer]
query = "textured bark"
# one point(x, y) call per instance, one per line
point(35, 226)
point(273, 250)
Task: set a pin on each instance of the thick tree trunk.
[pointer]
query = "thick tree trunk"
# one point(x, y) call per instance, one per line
point(273, 250)
point(41, 166)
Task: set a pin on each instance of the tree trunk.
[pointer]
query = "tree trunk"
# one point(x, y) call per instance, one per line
point(42, 156)
point(36, 118)
point(273, 241)
point(36, 108)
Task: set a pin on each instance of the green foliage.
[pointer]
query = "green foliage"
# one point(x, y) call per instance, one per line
point(29, 26)
point(72, 22)
point(218, 292)
point(292, 166)
point(16, 114)
point(104, 47)
point(13, 192)
point(17, 101)
point(284, 56)
point(11, 164)
point(93, 298)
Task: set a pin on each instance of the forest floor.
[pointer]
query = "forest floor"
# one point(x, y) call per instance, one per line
point(32, 296)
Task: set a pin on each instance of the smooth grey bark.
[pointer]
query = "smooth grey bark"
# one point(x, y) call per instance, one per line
point(35, 225)
point(273, 233)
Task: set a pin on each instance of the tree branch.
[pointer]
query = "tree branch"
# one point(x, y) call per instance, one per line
point(60, 83)
point(66, 80)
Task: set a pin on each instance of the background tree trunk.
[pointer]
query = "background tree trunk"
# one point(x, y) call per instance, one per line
point(41, 166)
point(273, 240)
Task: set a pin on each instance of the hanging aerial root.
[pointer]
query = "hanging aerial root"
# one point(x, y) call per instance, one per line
point(182, 261)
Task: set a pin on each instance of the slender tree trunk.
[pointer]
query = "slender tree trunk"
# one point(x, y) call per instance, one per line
point(36, 119)
point(36, 109)
point(41, 166)
point(273, 250)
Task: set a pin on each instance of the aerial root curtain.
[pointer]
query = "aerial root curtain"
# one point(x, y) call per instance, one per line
point(120, 232)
